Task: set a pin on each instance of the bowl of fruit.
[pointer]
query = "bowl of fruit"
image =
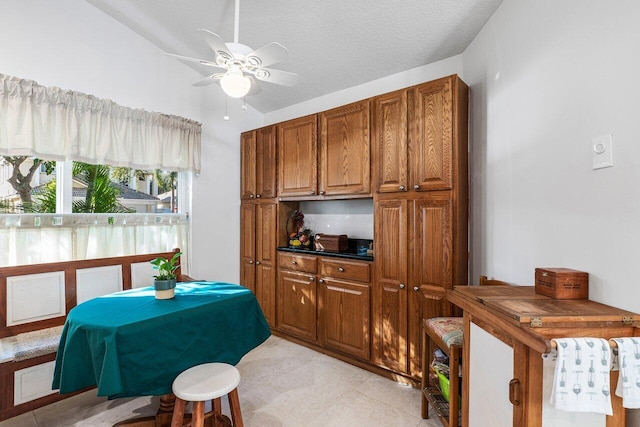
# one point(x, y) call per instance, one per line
point(299, 237)
point(300, 240)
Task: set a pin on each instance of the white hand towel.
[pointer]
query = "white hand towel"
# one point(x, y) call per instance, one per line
point(629, 364)
point(581, 381)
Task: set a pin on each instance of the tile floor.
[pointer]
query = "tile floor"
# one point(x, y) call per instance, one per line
point(283, 384)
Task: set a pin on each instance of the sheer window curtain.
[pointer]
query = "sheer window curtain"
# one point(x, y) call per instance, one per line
point(57, 124)
point(40, 238)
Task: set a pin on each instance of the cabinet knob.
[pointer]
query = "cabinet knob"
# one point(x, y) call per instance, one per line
point(257, 262)
point(258, 196)
point(312, 192)
point(311, 278)
point(251, 196)
point(401, 285)
point(416, 288)
point(341, 270)
point(402, 188)
point(294, 262)
point(250, 261)
point(321, 193)
point(321, 281)
point(416, 187)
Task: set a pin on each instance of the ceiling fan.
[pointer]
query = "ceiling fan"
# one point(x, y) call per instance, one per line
point(243, 65)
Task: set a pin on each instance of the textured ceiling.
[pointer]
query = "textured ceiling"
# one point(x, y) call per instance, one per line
point(333, 44)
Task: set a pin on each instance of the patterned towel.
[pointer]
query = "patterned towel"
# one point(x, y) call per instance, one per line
point(629, 364)
point(581, 381)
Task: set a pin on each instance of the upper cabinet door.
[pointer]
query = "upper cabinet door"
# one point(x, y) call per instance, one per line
point(345, 163)
point(431, 144)
point(389, 142)
point(248, 165)
point(297, 157)
point(266, 165)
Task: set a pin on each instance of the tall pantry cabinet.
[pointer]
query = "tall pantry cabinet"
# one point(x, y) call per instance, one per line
point(259, 217)
point(419, 141)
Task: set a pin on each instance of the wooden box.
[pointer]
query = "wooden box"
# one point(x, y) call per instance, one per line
point(562, 283)
point(331, 242)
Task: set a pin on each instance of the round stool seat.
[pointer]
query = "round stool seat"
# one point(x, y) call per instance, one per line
point(206, 382)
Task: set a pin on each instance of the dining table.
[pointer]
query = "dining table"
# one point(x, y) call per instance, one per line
point(131, 344)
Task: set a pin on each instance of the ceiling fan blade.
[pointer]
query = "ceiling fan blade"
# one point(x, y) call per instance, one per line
point(278, 77)
point(216, 43)
point(255, 87)
point(209, 80)
point(199, 61)
point(267, 55)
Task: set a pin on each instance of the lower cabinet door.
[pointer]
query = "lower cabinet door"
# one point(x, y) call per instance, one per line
point(297, 304)
point(265, 290)
point(490, 371)
point(344, 316)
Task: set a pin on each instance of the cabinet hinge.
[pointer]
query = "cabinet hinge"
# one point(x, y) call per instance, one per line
point(536, 322)
point(627, 320)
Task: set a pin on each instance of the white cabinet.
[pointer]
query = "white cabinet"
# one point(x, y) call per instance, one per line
point(491, 369)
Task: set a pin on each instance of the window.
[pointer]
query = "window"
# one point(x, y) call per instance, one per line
point(29, 185)
point(53, 123)
point(114, 211)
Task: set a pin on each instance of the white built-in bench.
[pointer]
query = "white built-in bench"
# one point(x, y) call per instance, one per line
point(35, 302)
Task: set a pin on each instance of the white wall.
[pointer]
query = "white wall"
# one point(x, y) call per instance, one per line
point(546, 77)
point(73, 45)
point(390, 83)
point(351, 217)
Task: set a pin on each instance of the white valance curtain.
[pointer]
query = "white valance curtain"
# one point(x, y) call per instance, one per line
point(57, 124)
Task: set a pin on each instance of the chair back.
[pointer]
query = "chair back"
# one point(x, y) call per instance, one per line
point(484, 281)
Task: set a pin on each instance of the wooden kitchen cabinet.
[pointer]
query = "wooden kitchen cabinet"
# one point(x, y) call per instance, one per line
point(338, 164)
point(420, 214)
point(389, 303)
point(412, 288)
point(345, 161)
point(258, 164)
point(258, 253)
point(407, 149)
point(415, 136)
point(389, 140)
point(344, 306)
point(436, 263)
point(297, 309)
point(297, 157)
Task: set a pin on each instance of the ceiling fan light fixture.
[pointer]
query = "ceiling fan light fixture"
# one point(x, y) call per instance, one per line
point(235, 83)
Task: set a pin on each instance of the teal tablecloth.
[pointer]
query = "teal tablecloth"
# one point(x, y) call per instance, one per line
point(130, 344)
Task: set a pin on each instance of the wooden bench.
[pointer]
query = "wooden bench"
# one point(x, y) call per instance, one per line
point(34, 302)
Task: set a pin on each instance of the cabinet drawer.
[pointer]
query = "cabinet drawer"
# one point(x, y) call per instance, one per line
point(345, 269)
point(297, 262)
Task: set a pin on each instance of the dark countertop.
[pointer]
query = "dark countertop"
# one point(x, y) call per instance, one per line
point(349, 255)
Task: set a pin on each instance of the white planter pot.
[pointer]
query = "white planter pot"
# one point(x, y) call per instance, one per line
point(165, 289)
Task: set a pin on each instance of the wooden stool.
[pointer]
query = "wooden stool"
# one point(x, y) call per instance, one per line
point(208, 381)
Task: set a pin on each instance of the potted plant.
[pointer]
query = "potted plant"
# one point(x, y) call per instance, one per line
point(165, 281)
